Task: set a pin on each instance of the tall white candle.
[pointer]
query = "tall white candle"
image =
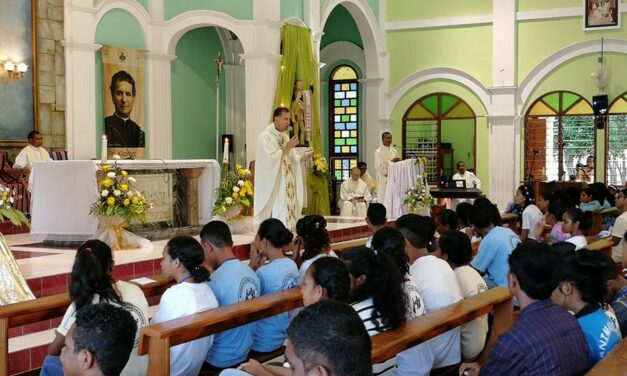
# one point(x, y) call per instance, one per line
point(103, 150)
point(225, 159)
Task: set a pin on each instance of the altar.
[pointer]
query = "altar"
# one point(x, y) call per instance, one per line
point(182, 193)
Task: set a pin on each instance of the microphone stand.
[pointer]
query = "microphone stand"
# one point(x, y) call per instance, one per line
point(530, 175)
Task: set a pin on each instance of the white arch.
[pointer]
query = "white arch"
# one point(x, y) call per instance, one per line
point(368, 29)
point(440, 73)
point(541, 70)
point(181, 24)
point(135, 9)
point(342, 50)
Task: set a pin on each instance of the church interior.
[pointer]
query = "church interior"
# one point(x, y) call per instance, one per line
point(519, 92)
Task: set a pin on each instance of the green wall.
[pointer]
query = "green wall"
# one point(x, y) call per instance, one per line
point(408, 10)
point(373, 4)
point(117, 28)
point(467, 48)
point(239, 9)
point(292, 8)
point(483, 134)
point(461, 134)
point(537, 40)
point(341, 26)
point(194, 95)
point(524, 5)
point(144, 3)
point(574, 75)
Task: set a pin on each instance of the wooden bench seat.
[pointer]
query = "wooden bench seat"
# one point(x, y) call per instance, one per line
point(51, 307)
point(157, 339)
point(615, 363)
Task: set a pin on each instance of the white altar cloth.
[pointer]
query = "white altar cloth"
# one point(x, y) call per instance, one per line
point(62, 193)
point(401, 177)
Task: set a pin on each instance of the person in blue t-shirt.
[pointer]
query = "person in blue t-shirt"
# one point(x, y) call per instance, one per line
point(280, 273)
point(231, 282)
point(582, 290)
point(495, 247)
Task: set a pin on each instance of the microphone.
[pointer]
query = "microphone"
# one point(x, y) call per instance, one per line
point(130, 156)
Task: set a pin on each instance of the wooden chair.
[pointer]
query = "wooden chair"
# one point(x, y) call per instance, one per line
point(59, 155)
point(50, 307)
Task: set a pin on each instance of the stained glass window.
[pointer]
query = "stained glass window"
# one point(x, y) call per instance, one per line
point(559, 134)
point(616, 133)
point(344, 121)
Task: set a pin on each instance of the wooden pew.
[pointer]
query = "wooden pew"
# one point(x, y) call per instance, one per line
point(156, 339)
point(341, 247)
point(498, 300)
point(597, 220)
point(615, 363)
point(50, 307)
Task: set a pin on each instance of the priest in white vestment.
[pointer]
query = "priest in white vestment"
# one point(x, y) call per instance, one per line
point(472, 181)
point(382, 157)
point(354, 196)
point(33, 152)
point(367, 178)
point(279, 188)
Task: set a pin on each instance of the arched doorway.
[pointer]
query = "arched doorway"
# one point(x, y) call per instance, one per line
point(559, 134)
point(616, 141)
point(440, 127)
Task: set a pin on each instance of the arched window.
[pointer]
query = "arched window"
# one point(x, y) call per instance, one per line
point(559, 134)
point(616, 133)
point(343, 121)
point(441, 128)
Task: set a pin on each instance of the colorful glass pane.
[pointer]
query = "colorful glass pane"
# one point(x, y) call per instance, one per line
point(351, 126)
point(446, 102)
point(340, 95)
point(431, 103)
point(619, 106)
point(345, 87)
point(460, 111)
point(338, 103)
point(353, 102)
point(352, 118)
point(351, 141)
point(351, 110)
point(351, 94)
point(419, 112)
point(568, 99)
point(553, 101)
point(346, 149)
point(353, 86)
point(581, 108)
point(354, 134)
point(540, 109)
point(339, 126)
point(338, 134)
point(339, 110)
point(344, 73)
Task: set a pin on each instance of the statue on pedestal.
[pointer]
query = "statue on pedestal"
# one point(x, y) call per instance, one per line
point(302, 112)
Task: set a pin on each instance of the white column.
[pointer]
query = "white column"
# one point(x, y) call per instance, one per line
point(159, 130)
point(371, 124)
point(503, 145)
point(261, 79)
point(80, 114)
point(504, 43)
point(236, 109)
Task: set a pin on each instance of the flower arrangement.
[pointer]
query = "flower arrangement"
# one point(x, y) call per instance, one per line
point(8, 197)
point(118, 196)
point(235, 189)
point(418, 196)
point(320, 165)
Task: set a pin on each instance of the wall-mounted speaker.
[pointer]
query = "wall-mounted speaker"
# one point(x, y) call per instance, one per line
point(599, 104)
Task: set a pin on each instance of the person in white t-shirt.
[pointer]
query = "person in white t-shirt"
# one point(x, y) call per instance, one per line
point(312, 242)
point(575, 221)
point(436, 280)
point(456, 249)
point(532, 217)
point(619, 228)
point(182, 260)
point(418, 359)
point(95, 259)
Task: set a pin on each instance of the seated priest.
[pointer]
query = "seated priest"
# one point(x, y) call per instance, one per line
point(366, 177)
point(354, 195)
point(33, 152)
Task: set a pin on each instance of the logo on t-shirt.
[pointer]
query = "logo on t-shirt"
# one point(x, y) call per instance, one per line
point(289, 281)
point(416, 307)
point(248, 289)
point(140, 320)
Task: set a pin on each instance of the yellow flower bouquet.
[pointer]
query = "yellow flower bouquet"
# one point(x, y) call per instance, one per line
point(8, 197)
point(320, 165)
point(235, 191)
point(118, 196)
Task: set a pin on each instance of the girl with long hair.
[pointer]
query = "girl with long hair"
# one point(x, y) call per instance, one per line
point(575, 221)
point(530, 216)
point(182, 260)
point(311, 243)
point(91, 282)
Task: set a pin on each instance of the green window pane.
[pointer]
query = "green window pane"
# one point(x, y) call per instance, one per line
point(353, 102)
point(351, 141)
point(446, 101)
point(431, 103)
point(346, 118)
point(338, 103)
point(339, 141)
point(568, 99)
point(553, 100)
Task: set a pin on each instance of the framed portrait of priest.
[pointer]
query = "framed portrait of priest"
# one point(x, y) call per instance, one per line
point(601, 14)
point(123, 88)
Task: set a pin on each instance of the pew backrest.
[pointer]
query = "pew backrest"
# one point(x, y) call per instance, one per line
point(615, 363)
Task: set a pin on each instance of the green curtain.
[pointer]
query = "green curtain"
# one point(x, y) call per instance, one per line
point(298, 62)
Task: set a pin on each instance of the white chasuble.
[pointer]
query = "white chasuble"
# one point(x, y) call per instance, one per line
point(382, 157)
point(279, 190)
point(29, 155)
point(348, 191)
